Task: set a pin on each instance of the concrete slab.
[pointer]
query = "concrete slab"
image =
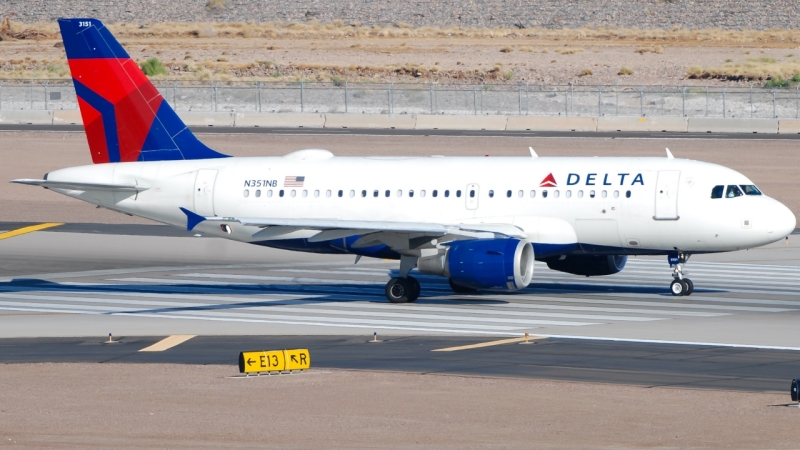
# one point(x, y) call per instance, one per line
point(207, 119)
point(385, 121)
point(433, 122)
point(673, 124)
point(27, 117)
point(543, 123)
point(67, 117)
point(279, 120)
point(716, 125)
point(788, 126)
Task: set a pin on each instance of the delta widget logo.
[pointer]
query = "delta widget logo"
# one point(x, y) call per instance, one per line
point(549, 181)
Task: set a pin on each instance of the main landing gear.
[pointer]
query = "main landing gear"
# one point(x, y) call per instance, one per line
point(404, 289)
point(679, 285)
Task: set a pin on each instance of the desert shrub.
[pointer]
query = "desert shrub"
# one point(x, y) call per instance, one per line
point(152, 67)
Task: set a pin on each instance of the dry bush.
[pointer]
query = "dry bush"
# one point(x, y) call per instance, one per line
point(525, 48)
point(754, 69)
point(216, 4)
point(568, 50)
point(657, 49)
point(506, 50)
point(625, 71)
point(585, 73)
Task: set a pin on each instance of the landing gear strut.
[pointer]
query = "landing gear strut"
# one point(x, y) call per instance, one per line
point(404, 289)
point(680, 285)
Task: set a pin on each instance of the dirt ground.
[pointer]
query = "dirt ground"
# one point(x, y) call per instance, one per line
point(423, 59)
point(771, 164)
point(181, 406)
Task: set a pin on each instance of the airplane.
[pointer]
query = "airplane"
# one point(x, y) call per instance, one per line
point(480, 222)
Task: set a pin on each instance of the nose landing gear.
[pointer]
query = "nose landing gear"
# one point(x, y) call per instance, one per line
point(680, 285)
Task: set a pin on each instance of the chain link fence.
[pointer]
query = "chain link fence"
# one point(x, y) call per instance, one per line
point(433, 98)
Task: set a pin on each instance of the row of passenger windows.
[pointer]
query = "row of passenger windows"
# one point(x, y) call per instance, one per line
point(435, 193)
point(734, 191)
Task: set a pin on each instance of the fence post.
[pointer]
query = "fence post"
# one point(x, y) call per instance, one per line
point(1, 95)
point(774, 108)
point(706, 101)
point(566, 101)
point(475, 100)
point(31, 93)
point(663, 100)
point(483, 87)
point(519, 100)
point(751, 100)
point(599, 101)
point(258, 94)
point(345, 97)
point(641, 102)
point(797, 104)
point(431, 98)
point(302, 87)
point(683, 102)
point(527, 98)
point(616, 101)
point(724, 110)
point(214, 91)
point(46, 102)
point(391, 98)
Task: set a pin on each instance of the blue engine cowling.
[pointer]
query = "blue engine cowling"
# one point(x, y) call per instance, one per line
point(485, 264)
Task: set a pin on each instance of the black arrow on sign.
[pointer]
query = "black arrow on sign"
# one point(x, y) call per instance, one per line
point(294, 359)
point(250, 362)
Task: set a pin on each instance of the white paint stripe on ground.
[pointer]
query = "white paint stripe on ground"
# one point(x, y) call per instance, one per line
point(658, 341)
point(658, 304)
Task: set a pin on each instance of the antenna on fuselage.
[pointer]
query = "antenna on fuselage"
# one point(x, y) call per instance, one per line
point(533, 153)
point(669, 154)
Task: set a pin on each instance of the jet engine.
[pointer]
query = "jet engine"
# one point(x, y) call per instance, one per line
point(588, 265)
point(484, 264)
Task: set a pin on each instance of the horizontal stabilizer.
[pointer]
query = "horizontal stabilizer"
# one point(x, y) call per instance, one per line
point(76, 186)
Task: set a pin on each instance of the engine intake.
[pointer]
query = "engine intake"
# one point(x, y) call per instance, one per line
point(484, 264)
point(589, 265)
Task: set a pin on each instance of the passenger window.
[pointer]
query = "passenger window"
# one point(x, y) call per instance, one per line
point(328, 193)
point(269, 193)
point(569, 194)
point(472, 194)
point(280, 193)
point(508, 193)
point(305, 193)
point(533, 194)
point(580, 194)
point(375, 193)
point(316, 193)
point(616, 194)
point(749, 189)
point(520, 194)
point(628, 194)
point(387, 193)
point(352, 193)
point(435, 193)
point(733, 191)
point(293, 193)
point(491, 193)
point(556, 193)
point(422, 193)
point(247, 192)
point(258, 192)
point(716, 192)
point(447, 193)
point(341, 192)
point(604, 194)
point(410, 192)
point(364, 193)
point(591, 194)
point(399, 192)
point(458, 193)
point(544, 194)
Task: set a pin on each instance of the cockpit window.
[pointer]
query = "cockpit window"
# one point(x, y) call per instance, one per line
point(733, 191)
point(749, 189)
point(717, 191)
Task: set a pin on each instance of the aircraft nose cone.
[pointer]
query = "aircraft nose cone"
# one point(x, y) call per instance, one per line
point(782, 222)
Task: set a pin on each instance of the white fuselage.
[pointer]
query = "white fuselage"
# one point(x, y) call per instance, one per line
point(606, 205)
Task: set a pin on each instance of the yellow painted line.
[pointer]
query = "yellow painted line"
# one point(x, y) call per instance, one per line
point(168, 342)
point(488, 344)
point(26, 230)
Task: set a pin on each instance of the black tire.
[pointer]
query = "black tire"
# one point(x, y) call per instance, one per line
point(689, 286)
point(398, 290)
point(458, 289)
point(415, 288)
point(677, 287)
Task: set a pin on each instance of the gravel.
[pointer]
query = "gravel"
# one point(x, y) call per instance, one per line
point(645, 14)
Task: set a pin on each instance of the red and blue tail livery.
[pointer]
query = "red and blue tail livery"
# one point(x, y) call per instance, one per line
point(125, 117)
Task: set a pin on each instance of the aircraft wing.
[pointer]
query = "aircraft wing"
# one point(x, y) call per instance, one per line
point(83, 186)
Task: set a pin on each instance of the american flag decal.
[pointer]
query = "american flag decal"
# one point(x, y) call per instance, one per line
point(294, 181)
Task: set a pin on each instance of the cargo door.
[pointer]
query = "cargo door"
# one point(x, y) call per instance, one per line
point(204, 192)
point(667, 195)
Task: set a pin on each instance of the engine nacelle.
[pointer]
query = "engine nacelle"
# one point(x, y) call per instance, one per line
point(484, 264)
point(589, 265)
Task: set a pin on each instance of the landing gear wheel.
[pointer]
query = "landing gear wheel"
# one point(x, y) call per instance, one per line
point(458, 289)
point(689, 286)
point(398, 290)
point(414, 287)
point(678, 287)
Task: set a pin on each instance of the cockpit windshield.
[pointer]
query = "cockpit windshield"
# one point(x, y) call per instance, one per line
point(749, 189)
point(733, 191)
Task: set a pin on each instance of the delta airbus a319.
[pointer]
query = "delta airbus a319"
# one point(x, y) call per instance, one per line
point(480, 222)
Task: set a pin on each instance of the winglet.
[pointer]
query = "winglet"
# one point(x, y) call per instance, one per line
point(533, 153)
point(192, 219)
point(669, 154)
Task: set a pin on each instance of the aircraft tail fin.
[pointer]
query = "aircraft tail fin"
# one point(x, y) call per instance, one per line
point(125, 117)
